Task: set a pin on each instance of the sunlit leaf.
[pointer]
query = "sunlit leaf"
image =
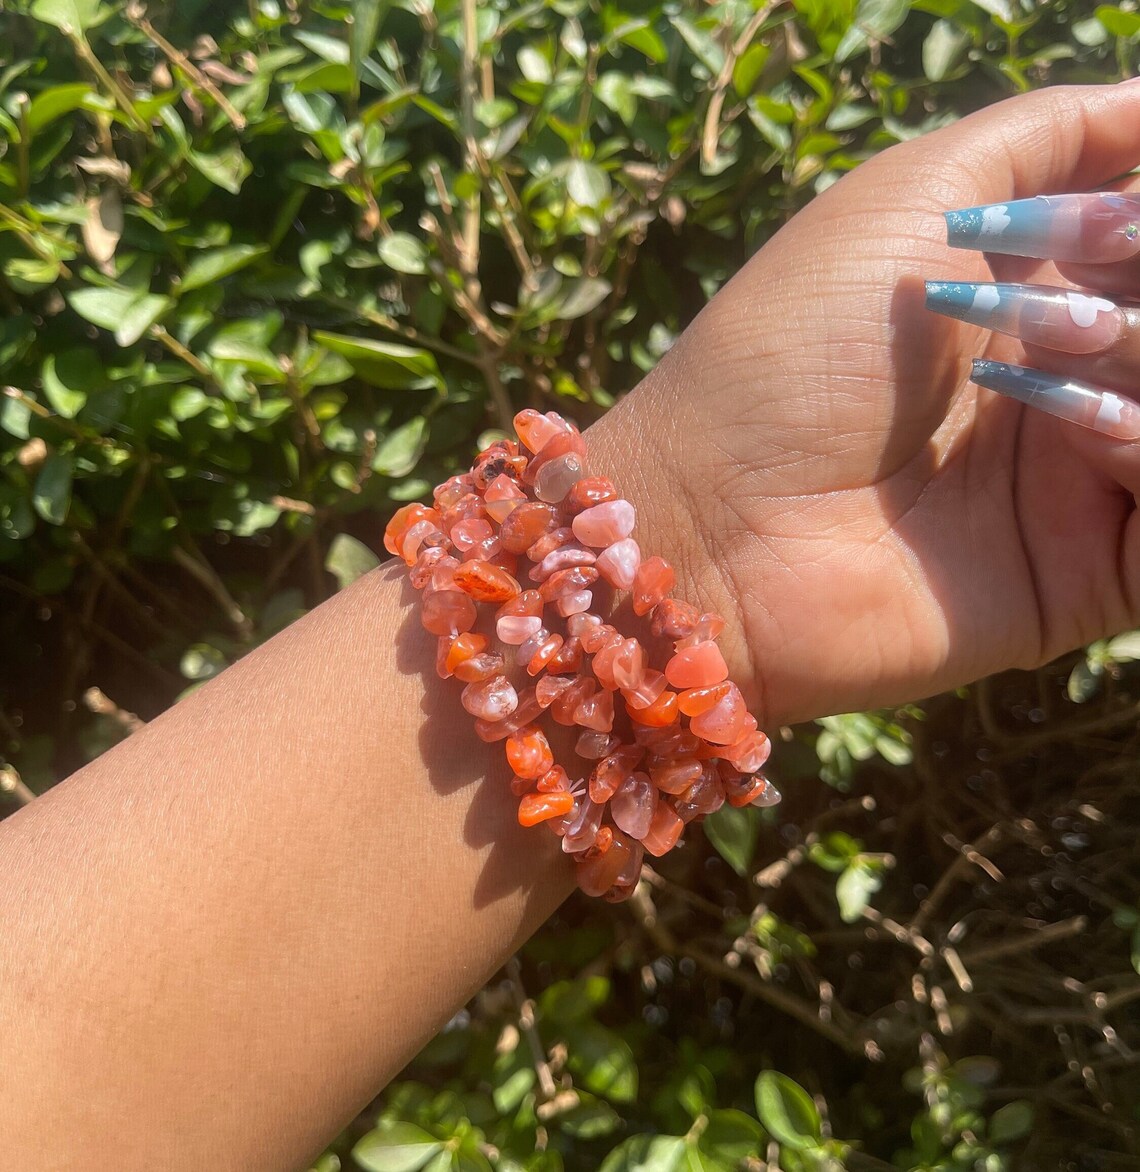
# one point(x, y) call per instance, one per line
point(398, 1147)
point(403, 252)
point(206, 268)
point(787, 1111)
point(1012, 1122)
point(70, 15)
point(401, 449)
point(384, 364)
point(51, 496)
point(733, 833)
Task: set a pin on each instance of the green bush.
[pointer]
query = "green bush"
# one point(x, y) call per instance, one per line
point(269, 270)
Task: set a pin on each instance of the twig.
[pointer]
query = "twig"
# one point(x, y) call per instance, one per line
point(195, 564)
point(964, 857)
point(160, 334)
point(25, 232)
point(787, 1003)
point(1049, 934)
point(86, 55)
point(136, 14)
point(469, 95)
point(711, 133)
point(546, 1084)
point(101, 704)
point(12, 783)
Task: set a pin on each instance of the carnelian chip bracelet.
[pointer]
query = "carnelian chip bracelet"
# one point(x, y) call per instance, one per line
point(667, 746)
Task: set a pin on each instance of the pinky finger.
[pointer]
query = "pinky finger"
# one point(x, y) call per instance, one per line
point(1096, 408)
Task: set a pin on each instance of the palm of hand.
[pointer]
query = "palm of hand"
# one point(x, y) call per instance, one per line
point(882, 529)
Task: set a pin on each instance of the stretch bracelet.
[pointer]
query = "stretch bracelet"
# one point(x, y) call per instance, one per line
point(663, 747)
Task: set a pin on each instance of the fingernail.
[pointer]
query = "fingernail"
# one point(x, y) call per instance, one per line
point(1062, 319)
point(1096, 228)
point(1082, 403)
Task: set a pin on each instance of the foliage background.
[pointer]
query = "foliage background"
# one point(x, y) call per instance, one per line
point(269, 269)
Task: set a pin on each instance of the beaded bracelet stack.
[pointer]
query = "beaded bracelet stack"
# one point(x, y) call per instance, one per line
point(668, 747)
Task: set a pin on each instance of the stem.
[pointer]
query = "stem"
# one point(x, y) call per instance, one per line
point(197, 567)
point(83, 51)
point(24, 231)
point(23, 166)
point(101, 704)
point(546, 1084)
point(469, 94)
point(12, 783)
point(160, 334)
point(498, 392)
point(136, 14)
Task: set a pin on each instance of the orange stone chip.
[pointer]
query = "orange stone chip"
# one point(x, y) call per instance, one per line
point(529, 753)
point(485, 582)
point(536, 808)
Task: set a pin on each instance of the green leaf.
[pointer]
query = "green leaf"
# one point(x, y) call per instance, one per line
point(1000, 9)
point(874, 20)
point(331, 49)
point(227, 168)
point(399, 1147)
point(401, 449)
point(647, 1153)
point(202, 662)
point(580, 296)
point(534, 66)
point(943, 49)
point(1085, 681)
point(129, 313)
point(566, 1003)
point(1124, 648)
point(590, 1119)
point(207, 268)
point(142, 313)
point(75, 16)
point(53, 103)
point(749, 66)
point(51, 496)
point(30, 275)
point(67, 380)
point(403, 252)
point(385, 364)
point(586, 183)
point(733, 833)
point(366, 17)
point(640, 35)
point(732, 1135)
point(603, 1062)
point(1134, 948)
point(613, 89)
point(787, 1111)
point(349, 559)
point(102, 306)
point(1011, 1122)
point(854, 889)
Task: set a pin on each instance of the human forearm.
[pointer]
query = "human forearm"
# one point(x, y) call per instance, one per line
point(221, 938)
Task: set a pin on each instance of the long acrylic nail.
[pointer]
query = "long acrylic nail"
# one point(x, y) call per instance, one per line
point(1097, 228)
point(1062, 319)
point(1067, 398)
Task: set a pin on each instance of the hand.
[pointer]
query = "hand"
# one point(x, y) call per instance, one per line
point(816, 461)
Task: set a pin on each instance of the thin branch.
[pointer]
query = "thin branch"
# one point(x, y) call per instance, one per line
point(101, 704)
point(711, 135)
point(546, 1085)
point(136, 14)
point(11, 783)
point(469, 95)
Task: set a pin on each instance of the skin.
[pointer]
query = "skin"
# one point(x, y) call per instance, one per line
point(224, 936)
